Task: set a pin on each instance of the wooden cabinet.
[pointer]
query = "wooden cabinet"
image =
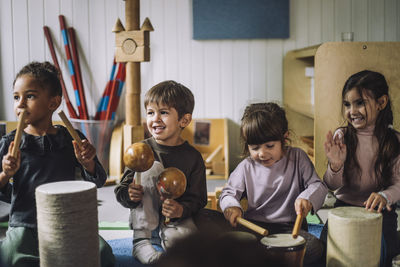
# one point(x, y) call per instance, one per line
point(210, 137)
point(312, 114)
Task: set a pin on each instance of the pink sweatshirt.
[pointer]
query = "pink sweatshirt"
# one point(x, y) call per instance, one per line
point(360, 188)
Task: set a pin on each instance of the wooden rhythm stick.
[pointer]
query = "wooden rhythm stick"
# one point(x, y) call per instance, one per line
point(75, 60)
point(71, 110)
point(252, 226)
point(297, 226)
point(18, 134)
point(70, 128)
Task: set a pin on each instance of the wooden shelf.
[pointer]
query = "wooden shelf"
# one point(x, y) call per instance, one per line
point(308, 52)
point(216, 144)
point(306, 110)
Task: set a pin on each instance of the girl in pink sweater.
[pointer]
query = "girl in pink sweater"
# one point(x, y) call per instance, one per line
point(364, 162)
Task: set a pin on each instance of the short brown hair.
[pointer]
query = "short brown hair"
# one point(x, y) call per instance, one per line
point(172, 94)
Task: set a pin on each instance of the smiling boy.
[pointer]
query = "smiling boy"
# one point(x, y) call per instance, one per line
point(169, 106)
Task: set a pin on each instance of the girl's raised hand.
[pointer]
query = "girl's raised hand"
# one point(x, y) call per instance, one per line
point(376, 200)
point(302, 206)
point(135, 191)
point(85, 154)
point(231, 214)
point(335, 151)
point(9, 163)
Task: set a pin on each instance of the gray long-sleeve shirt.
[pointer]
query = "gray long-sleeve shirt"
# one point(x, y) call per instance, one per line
point(272, 191)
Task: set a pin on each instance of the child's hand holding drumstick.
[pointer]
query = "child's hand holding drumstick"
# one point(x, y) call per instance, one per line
point(11, 161)
point(302, 207)
point(84, 151)
point(234, 216)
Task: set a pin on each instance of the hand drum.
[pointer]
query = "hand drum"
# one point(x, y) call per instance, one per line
point(139, 157)
point(171, 183)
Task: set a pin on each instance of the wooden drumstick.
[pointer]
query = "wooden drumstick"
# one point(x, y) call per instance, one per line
point(70, 128)
point(18, 134)
point(297, 226)
point(252, 226)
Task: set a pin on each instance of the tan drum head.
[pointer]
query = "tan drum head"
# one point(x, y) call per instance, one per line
point(354, 214)
point(283, 241)
point(65, 187)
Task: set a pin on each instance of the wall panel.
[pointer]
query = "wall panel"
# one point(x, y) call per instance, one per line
point(359, 21)
point(35, 33)
point(225, 75)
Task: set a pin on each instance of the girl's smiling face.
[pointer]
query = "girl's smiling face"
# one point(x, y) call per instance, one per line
point(267, 154)
point(360, 110)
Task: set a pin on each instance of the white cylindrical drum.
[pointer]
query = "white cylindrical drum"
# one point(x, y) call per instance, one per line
point(354, 237)
point(68, 224)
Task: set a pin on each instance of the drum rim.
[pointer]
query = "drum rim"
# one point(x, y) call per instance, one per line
point(294, 247)
point(288, 249)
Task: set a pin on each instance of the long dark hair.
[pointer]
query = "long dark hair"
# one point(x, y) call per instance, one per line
point(373, 84)
point(262, 123)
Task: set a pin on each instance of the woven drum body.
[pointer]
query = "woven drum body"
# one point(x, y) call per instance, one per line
point(354, 237)
point(68, 224)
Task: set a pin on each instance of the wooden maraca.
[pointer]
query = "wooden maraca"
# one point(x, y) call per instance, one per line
point(139, 157)
point(171, 184)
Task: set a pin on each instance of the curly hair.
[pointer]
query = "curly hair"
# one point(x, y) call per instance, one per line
point(45, 73)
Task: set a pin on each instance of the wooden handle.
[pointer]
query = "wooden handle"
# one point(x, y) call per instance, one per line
point(167, 220)
point(20, 127)
point(252, 226)
point(213, 154)
point(138, 178)
point(297, 226)
point(70, 128)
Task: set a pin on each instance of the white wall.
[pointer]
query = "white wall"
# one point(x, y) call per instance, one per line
point(224, 75)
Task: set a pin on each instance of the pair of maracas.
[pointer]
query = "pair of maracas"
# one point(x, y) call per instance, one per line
point(171, 183)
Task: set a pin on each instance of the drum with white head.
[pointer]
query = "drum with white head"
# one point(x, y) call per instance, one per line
point(284, 250)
